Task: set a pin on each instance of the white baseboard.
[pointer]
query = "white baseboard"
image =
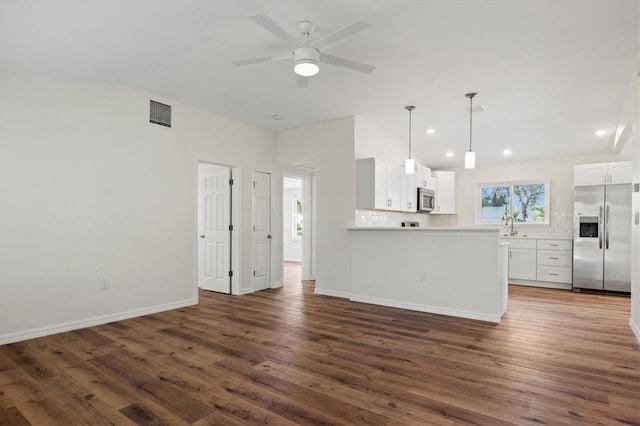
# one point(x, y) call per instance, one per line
point(333, 293)
point(428, 308)
point(276, 285)
point(90, 322)
point(543, 284)
point(635, 329)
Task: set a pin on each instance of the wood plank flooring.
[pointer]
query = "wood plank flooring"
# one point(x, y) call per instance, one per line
point(287, 356)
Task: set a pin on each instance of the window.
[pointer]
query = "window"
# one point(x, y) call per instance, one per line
point(527, 202)
point(297, 217)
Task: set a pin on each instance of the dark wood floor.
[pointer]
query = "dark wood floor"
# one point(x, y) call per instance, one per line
point(287, 356)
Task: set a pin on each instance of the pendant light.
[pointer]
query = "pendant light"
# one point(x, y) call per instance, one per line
point(470, 156)
point(409, 164)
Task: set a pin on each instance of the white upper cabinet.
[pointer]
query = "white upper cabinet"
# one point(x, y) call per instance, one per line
point(423, 177)
point(445, 192)
point(371, 184)
point(602, 173)
point(620, 172)
point(380, 186)
point(395, 194)
point(410, 191)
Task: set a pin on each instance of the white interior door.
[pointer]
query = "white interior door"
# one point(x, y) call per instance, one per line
point(213, 227)
point(261, 201)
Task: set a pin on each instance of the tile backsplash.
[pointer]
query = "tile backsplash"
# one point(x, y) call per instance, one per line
point(379, 218)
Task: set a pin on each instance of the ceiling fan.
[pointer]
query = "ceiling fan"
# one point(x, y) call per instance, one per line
point(307, 55)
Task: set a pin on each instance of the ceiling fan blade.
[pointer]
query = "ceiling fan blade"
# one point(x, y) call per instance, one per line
point(269, 58)
point(302, 82)
point(346, 63)
point(270, 25)
point(340, 34)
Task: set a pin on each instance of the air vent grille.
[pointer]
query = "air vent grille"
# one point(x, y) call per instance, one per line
point(160, 114)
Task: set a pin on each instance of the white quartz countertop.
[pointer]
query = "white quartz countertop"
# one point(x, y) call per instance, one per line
point(537, 237)
point(425, 229)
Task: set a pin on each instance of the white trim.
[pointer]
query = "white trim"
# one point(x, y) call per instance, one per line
point(277, 284)
point(427, 308)
point(75, 325)
point(634, 328)
point(332, 293)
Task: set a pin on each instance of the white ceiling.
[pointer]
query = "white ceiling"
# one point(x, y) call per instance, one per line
point(548, 72)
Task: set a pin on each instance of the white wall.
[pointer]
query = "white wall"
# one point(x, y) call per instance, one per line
point(329, 146)
point(292, 246)
point(558, 170)
point(90, 189)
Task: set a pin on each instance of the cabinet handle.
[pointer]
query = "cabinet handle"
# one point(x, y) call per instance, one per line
point(553, 258)
point(555, 275)
point(553, 245)
point(509, 254)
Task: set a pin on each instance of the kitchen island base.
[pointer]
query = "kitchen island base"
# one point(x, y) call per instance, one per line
point(450, 271)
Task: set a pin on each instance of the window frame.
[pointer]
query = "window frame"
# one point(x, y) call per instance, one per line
point(510, 184)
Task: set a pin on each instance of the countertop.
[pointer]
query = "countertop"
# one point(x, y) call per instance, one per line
point(425, 229)
point(537, 237)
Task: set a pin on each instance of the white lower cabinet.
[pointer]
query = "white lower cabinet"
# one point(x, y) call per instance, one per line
point(522, 259)
point(555, 260)
point(540, 261)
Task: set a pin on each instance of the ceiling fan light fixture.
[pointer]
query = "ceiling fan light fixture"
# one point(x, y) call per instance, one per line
point(305, 61)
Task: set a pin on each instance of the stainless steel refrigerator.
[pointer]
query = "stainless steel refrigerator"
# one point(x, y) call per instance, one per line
point(602, 238)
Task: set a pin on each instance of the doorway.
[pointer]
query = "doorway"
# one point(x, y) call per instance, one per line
point(214, 209)
point(297, 226)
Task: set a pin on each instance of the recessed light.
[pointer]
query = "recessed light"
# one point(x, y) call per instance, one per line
point(449, 154)
point(601, 133)
point(431, 131)
point(277, 117)
point(506, 152)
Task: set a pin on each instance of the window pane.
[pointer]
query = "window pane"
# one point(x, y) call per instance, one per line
point(495, 203)
point(528, 203)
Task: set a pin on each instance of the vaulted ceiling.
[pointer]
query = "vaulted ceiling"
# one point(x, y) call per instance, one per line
point(549, 73)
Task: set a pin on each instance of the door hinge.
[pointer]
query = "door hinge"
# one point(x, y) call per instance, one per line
point(230, 227)
point(254, 183)
point(254, 273)
point(230, 182)
point(230, 273)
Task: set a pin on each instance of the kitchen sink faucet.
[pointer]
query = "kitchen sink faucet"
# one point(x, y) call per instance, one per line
point(513, 230)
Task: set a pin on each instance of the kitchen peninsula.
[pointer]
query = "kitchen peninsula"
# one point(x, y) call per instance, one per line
point(450, 271)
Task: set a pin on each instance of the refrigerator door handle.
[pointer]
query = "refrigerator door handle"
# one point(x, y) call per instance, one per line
point(600, 228)
point(606, 227)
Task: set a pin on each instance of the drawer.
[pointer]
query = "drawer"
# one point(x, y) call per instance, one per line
point(556, 274)
point(521, 243)
point(555, 257)
point(555, 244)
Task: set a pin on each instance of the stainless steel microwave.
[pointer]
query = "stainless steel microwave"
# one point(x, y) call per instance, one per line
point(426, 200)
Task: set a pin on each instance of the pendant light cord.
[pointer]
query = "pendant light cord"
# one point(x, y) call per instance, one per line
point(470, 96)
point(470, 119)
point(410, 108)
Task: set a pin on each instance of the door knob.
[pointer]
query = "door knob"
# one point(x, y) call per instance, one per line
point(202, 236)
point(269, 237)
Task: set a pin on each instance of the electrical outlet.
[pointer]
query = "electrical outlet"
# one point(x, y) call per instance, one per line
point(104, 283)
point(423, 277)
